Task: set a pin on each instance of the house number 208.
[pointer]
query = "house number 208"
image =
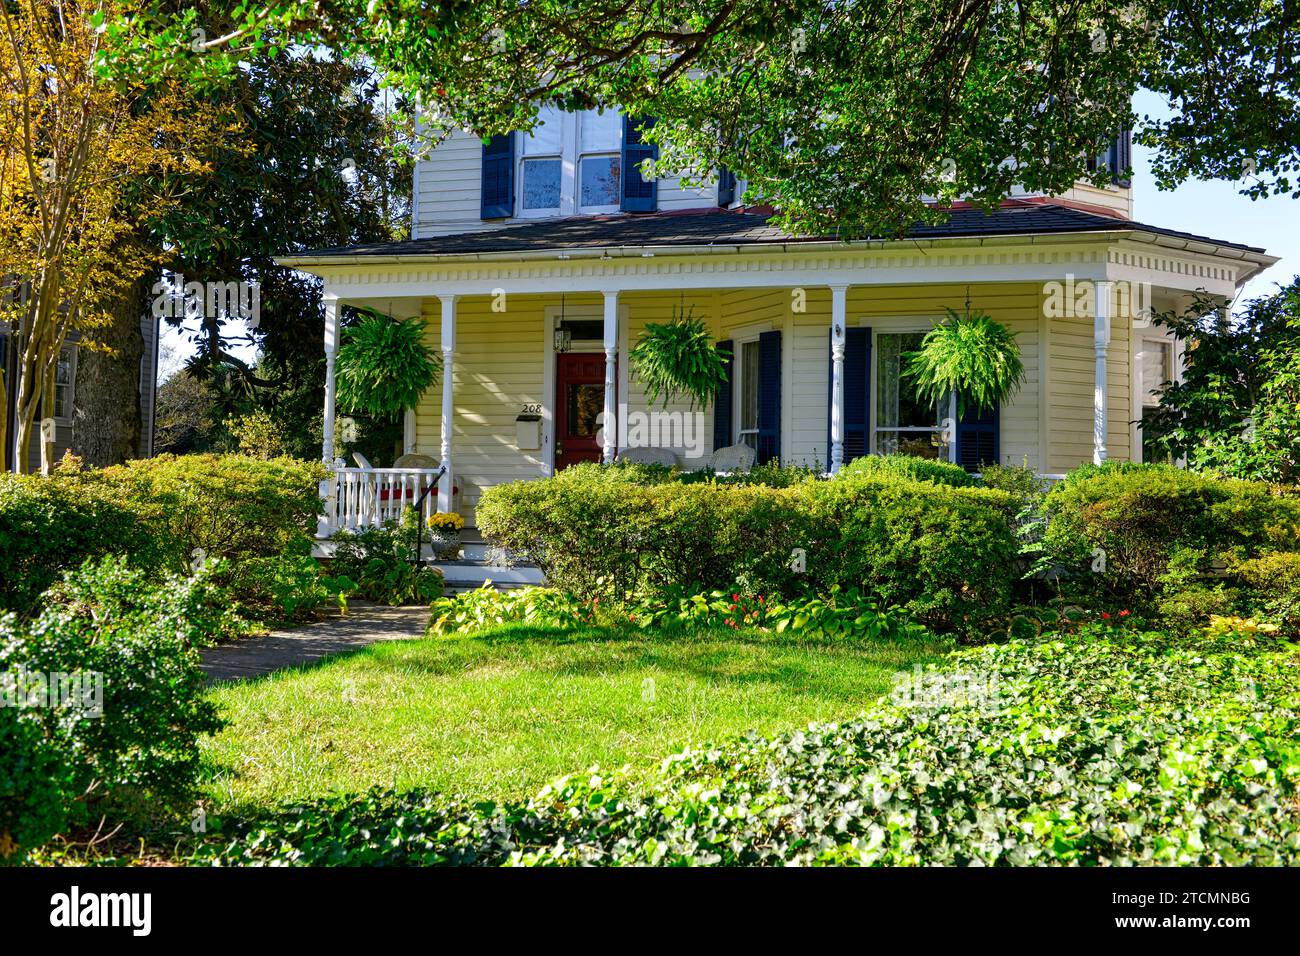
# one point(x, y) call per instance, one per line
point(532, 409)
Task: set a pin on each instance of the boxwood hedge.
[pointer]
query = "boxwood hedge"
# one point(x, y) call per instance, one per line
point(943, 553)
point(1156, 527)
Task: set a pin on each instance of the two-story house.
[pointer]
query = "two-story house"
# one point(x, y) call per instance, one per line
point(538, 259)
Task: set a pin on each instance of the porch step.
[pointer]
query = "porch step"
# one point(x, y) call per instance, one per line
point(466, 575)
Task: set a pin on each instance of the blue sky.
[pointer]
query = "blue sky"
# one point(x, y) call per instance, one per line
point(1217, 210)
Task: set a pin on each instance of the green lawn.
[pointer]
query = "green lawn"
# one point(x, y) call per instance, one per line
point(502, 712)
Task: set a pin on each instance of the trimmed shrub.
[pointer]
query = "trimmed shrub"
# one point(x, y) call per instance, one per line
point(231, 506)
point(1098, 751)
point(48, 525)
point(942, 553)
point(910, 467)
point(122, 725)
point(1273, 582)
point(1018, 480)
point(1160, 527)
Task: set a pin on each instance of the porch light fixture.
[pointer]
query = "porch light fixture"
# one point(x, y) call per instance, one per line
point(563, 336)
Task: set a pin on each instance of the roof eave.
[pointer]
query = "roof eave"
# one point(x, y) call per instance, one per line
point(1258, 259)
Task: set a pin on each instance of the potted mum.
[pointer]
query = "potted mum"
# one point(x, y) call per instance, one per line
point(444, 534)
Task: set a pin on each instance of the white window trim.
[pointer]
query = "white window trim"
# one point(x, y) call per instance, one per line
point(1140, 389)
point(568, 132)
point(597, 210)
point(913, 327)
point(570, 157)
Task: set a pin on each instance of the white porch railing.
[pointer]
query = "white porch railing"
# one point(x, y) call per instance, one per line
point(368, 497)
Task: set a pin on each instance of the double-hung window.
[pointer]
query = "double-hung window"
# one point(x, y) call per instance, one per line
point(1157, 370)
point(541, 166)
point(571, 162)
point(906, 423)
point(747, 392)
point(600, 179)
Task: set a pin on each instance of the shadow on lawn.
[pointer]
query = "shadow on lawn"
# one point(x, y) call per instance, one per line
point(816, 667)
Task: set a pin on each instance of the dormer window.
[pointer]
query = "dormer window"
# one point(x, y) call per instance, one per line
point(600, 143)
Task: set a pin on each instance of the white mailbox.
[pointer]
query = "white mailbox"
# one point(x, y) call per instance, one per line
point(528, 432)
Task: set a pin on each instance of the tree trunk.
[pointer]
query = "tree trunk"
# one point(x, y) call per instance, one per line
point(106, 422)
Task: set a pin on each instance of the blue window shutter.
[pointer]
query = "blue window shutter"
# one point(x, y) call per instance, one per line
point(1122, 159)
point(638, 195)
point(769, 398)
point(857, 394)
point(978, 438)
point(722, 406)
point(497, 199)
point(726, 186)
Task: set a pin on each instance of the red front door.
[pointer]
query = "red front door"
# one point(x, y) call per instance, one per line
point(579, 401)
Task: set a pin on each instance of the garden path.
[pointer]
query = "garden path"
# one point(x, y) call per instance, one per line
point(364, 624)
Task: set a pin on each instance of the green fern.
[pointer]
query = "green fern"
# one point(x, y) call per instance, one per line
point(679, 357)
point(383, 365)
point(969, 354)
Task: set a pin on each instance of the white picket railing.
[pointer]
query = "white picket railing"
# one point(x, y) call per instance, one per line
point(367, 497)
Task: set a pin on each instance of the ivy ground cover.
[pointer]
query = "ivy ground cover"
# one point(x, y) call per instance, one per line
point(1119, 749)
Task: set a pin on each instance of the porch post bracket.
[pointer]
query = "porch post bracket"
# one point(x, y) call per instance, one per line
point(447, 483)
point(839, 309)
point(1101, 347)
point(609, 428)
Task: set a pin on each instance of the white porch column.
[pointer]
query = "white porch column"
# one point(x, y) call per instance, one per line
point(331, 350)
point(610, 428)
point(408, 432)
point(1101, 345)
point(448, 359)
point(839, 309)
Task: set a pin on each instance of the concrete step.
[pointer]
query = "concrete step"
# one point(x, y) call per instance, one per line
point(466, 575)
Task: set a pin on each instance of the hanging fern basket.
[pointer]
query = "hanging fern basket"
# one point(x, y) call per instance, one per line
point(383, 365)
point(679, 359)
point(971, 355)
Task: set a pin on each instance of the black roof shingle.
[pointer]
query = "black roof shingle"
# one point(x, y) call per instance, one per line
point(731, 228)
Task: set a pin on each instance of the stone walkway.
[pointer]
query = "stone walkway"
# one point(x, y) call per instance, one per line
point(364, 624)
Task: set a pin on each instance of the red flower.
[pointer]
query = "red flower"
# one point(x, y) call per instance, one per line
point(1105, 615)
point(1124, 613)
point(735, 597)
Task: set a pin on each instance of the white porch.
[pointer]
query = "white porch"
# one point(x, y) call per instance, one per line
point(492, 319)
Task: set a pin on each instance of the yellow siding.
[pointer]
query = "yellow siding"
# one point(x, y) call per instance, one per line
point(498, 368)
point(1071, 391)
